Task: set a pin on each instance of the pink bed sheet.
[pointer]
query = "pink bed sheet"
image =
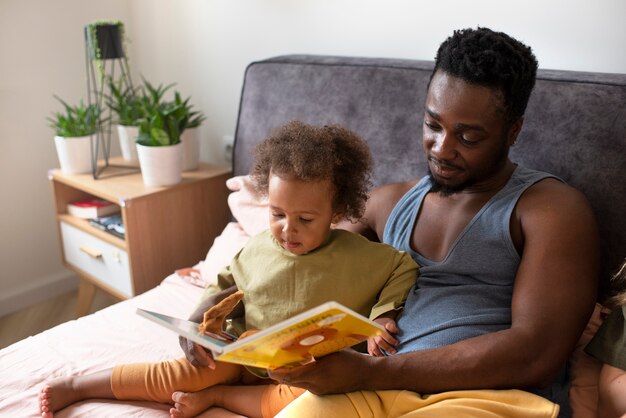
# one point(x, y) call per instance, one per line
point(92, 343)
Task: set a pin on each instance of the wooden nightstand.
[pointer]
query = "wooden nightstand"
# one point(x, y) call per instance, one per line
point(166, 228)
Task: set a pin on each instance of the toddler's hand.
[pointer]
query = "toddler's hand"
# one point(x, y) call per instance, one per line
point(196, 354)
point(384, 341)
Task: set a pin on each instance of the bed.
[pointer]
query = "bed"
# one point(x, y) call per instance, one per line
point(575, 128)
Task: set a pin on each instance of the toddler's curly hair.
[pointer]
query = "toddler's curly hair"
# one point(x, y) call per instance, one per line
point(619, 283)
point(312, 153)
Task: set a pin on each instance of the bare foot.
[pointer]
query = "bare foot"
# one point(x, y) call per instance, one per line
point(190, 404)
point(56, 395)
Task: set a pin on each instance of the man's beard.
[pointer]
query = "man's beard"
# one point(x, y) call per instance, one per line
point(445, 190)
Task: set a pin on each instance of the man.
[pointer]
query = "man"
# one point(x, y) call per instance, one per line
point(509, 260)
point(509, 256)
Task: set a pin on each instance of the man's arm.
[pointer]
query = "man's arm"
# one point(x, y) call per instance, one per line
point(554, 295)
point(377, 209)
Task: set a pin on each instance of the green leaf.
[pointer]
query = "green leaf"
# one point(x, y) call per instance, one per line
point(78, 120)
point(160, 136)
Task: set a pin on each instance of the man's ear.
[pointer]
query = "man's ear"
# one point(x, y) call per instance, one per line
point(514, 131)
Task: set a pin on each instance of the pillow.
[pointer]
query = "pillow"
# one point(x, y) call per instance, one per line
point(250, 210)
point(224, 248)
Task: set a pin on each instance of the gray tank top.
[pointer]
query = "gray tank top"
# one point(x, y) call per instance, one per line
point(469, 292)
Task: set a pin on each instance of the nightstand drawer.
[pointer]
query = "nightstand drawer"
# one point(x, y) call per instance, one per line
point(101, 260)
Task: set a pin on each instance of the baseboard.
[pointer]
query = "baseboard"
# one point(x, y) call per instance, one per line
point(37, 291)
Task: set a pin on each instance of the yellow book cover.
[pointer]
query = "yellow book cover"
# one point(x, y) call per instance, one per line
point(299, 340)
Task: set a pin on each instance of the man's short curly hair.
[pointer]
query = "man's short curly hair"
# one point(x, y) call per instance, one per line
point(311, 153)
point(491, 59)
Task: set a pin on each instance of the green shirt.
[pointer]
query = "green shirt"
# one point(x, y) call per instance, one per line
point(367, 277)
point(609, 343)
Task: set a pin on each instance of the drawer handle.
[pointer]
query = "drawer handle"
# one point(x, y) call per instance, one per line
point(91, 252)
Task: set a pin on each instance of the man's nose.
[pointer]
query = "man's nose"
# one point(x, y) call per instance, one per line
point(444, 146)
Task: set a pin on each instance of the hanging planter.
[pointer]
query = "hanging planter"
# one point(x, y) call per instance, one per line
point(105, 39)
point(104, 51)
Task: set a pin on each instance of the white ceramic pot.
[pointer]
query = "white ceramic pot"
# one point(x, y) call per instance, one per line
point(127, 136)
point(160, 166)
point(191, 149)
point(74, 154)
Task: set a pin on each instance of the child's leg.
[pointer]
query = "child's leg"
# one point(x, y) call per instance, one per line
point(141, 381)
point(61, 392)
point(157, 381)
point(251, 401)
point(277, 397)
point(243, 400)
point(217, 412)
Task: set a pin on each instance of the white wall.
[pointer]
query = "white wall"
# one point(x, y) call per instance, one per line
point(213, 40)
point(204, 46)
point(41, 54)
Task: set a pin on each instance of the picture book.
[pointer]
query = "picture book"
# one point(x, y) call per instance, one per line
point(299, 340)
point(91, 208)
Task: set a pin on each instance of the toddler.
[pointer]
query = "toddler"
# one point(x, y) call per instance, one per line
point(609, 346)
point(313, 177)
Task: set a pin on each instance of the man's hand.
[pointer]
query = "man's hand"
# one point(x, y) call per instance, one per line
point(385, 341)
point(334, 373)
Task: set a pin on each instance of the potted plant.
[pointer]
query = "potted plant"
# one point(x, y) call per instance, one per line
point(189, 134)
point(74, 129)
point(127, 105)
point(104, 40)
point(158, 143)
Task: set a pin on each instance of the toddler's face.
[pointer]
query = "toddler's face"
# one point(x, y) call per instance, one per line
point(301, 213)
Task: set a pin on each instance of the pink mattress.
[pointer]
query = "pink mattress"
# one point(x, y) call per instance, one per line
point(117, 334)
point(92, 343)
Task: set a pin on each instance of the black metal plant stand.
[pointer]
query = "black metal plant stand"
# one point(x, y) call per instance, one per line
point(104, 56)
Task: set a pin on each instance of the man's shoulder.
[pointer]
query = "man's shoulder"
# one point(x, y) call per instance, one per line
point(386, 196)
point(358, 245)
point(553, 201)
point(553, 191)
point(382, 201)
point(352, 240)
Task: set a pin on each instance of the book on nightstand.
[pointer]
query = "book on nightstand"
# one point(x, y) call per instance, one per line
point(91, 208)
point(298, 340)
point(112, 224)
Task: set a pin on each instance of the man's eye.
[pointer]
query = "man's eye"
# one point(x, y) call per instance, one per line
point(431, 126)
point(277, 215)
point(306, 220)
point(468, 141)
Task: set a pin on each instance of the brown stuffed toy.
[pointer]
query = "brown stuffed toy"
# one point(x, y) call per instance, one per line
point(213, 321)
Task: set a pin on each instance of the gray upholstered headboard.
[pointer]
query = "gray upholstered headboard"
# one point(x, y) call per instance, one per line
point(575, 124)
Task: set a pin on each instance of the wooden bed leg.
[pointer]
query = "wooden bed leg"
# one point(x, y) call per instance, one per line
point(86, 292)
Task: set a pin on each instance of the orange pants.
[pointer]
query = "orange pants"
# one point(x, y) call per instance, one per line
point(157, 382)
